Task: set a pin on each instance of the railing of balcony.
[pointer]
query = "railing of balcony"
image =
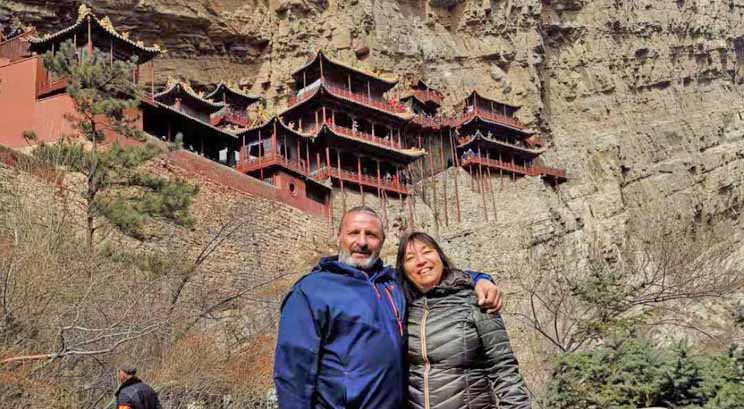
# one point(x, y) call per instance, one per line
point(239, 118)
point(493, 116)
point(16, 47)
point(392, 185)
point(46, 86)
point(356, 134)
point(338, 90)
point(498, 164)
point(546, 171)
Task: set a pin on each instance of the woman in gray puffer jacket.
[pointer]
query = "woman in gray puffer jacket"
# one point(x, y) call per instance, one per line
point(458, 356)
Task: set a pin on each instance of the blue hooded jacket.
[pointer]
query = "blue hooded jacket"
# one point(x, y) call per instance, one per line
point(341, 340)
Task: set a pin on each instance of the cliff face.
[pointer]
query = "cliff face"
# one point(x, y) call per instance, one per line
point(641, 100)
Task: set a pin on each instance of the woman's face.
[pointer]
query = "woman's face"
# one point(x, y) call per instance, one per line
point(422, 266)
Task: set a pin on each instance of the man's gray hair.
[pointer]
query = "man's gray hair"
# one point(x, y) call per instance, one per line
point(362, 209)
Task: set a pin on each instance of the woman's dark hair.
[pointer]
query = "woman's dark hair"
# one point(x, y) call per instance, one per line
point(408, 287)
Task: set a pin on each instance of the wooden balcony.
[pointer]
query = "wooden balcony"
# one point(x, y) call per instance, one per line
point(17, 47)
point(553, 173)
point(492, 116)
point(543, 171)
point(342, 92)
point(254, 164)
point(45, 86)
point(389, 185)
point(237, 118)
point(469, 160)
point(363, 136)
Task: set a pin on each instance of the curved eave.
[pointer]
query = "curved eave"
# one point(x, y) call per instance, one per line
point(403, 155)
point(280, 124)
point(400, 117)
point(521, 130)
point(150, 52)
point(430, 103)
point(222, 87)
point(480, 96)
point(181, 90)
point(296, 74)
point(499, 144)
point(199, 121)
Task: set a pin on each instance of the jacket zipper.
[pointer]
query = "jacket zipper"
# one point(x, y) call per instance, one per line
point(374, 287)
point(424, 356)
point(395, 310)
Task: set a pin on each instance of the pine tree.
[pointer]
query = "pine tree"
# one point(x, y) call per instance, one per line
point(106, 101)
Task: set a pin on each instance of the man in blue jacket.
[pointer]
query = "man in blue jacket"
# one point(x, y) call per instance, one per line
point(341, 340)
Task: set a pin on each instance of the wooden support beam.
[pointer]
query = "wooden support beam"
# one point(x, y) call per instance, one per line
point(493, 195)
point(481, 186)
point(359, 177)
point(457, 172)
point(433, 188)
point(340, 180)
point(444, 180)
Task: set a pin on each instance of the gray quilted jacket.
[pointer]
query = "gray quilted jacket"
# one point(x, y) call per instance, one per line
point(460, 357)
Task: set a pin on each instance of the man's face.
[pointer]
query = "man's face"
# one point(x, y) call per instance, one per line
point(121, 376)
point(360, 240)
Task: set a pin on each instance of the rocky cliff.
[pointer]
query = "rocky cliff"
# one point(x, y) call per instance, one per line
point(642, 101)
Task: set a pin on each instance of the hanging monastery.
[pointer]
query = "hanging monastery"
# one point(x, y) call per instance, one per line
point(343, 129)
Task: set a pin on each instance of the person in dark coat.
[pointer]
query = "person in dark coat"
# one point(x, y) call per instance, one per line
point(459, 356)
point(341, 338)
point(133, 393)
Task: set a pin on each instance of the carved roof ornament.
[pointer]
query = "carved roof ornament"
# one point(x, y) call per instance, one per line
point(107, 24)
point(83, 11)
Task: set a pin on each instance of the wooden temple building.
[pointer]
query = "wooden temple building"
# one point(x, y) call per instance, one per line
point(337, 128)
point(32, 99)
point(344, 129)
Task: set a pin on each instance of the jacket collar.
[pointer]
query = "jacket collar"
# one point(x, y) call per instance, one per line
point(130, 381)
point(378, 272)
point(453, 282)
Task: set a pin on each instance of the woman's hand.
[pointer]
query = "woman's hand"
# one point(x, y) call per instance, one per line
point(489, 296)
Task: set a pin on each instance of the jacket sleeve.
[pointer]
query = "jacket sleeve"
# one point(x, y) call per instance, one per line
point(502, 365)
point(476, 276)
point(297, 352)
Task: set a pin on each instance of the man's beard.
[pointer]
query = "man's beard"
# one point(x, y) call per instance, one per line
point(365, 264)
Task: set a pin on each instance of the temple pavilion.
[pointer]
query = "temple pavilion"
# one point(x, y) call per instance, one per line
point(37, 101)
point(337, 127)
point(488, 135)
point(179, 110)
point(236, 104)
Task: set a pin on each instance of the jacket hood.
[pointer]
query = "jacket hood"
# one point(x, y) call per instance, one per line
point(378, 272)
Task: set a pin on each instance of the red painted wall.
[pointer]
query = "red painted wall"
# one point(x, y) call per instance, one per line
point(17, 101)
point(21, 111)
point(225, 176)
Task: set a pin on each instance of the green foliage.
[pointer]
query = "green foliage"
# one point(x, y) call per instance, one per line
point(118, 189)
point(129, 195)
point(630, 372)
point(101, 89)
